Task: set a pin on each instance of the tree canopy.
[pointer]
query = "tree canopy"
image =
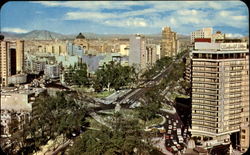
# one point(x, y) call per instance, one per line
point(114, 75)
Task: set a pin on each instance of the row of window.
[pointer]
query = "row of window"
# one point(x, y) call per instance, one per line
point(203, 79)
point(203, 85)
point(205, 74)
point(204, 102)
point(205, 91)
point(210, 113)
point(205, 63)
point(204, 118)
point(205, 96)
point(205, 107)
point(205, 129)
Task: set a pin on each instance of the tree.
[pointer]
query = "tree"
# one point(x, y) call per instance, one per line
point(114, 76)
point(51, 116)
point(77, 75)
point(124, 138)
point(152, 106)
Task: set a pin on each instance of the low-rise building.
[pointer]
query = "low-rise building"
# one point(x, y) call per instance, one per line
point(52, 71)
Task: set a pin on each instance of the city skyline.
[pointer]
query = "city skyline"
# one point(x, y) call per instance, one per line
point(109, 17)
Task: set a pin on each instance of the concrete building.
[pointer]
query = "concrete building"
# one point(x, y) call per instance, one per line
point(68, 60)
point(52, 71)
point(220, 89)
point(11, 59)
point(158, 52)
point(168, 43)
point(137, 52)
point(151, 56)
point(16, 106)
point(53, 47)
point(75, 50)
point(13, 105)
point(203, 33)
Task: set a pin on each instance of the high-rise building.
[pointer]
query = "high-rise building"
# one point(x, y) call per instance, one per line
point(12, 59)
point(203, 33)
point(220, 89)
point(168, 43)
point(137, 51)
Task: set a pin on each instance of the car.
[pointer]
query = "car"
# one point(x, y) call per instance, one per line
point(171, 137)
point(179, 131)
point(174, 124)
point(170, 127)
point(169, 122)
point(167, 136)
point(174, 148)
point(170, 149)
point(181, 140)
point(169, 132)
point(175, 142)
point(179, 146)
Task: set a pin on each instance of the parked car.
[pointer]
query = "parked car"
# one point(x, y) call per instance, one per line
point(179, 146)
point(167, 136)
point(170, 127)
point(175, 142)
point(179, 131)
point(170, 149)
point(169, 132)
point(174, 123)
point(171, 137)
point(181, 140)
point(174, 148)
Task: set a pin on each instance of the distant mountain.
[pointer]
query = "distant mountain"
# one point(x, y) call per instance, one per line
point(42, 35)
point(48, 35)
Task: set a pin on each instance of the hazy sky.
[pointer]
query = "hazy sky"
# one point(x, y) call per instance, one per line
point(109, 17)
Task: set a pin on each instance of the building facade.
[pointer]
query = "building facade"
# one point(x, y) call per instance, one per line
point(203, 33)
point(151, 56)
point(11, 59)
point(168, 43)
point(137, 52)
point(52, 71)
point(220, 89)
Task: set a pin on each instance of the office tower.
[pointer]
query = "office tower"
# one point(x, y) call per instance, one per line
point(168, 43)
point(137, 52)
point(220, 89)
point(203, 33)
point(12, 59)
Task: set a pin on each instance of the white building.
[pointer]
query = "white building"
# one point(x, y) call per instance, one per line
point(52, 71)
point(203, 33)
point(137, 52)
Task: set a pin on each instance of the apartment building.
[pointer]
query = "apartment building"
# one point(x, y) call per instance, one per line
point(137, 51)
point(203, 33)
point(220, 90)
point(11, 59)
point(168, 42)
